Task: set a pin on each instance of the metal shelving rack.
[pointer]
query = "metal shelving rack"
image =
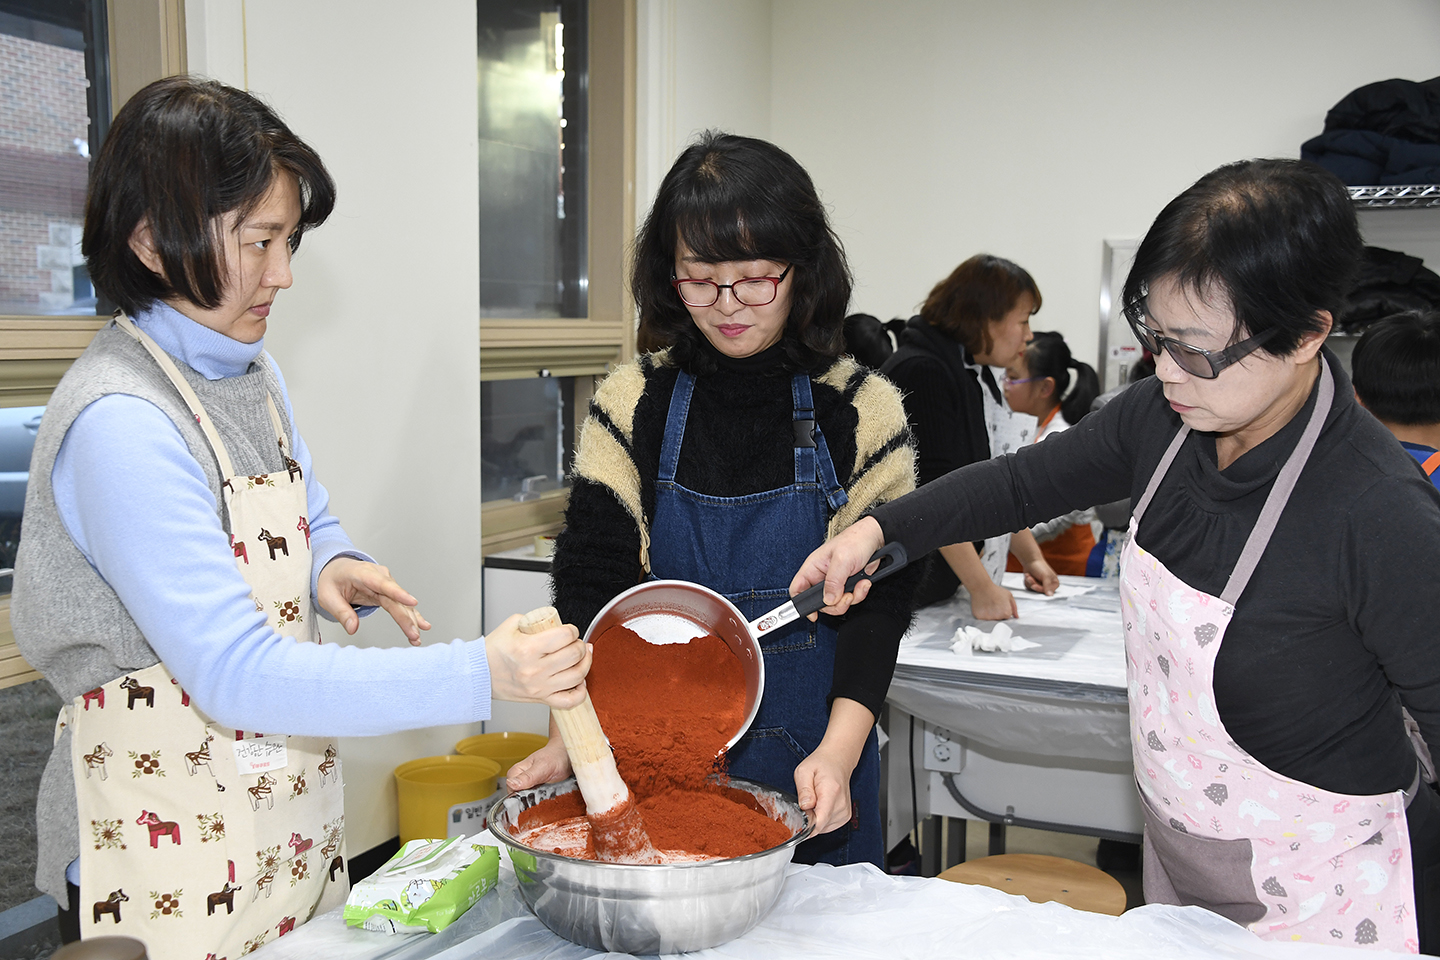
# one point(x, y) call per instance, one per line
point(1396, 197)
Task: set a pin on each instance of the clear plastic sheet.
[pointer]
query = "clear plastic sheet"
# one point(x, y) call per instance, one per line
point(843, 912)
point(1068, 693)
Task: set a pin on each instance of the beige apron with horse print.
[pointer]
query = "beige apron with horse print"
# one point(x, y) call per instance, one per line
point(198, 839)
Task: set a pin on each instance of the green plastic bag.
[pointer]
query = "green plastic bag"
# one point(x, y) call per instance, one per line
point(426, 886)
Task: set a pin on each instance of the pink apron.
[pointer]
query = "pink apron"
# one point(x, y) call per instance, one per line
point(1283, 858)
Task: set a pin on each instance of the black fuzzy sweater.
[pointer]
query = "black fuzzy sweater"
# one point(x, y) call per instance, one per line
point(738, 441)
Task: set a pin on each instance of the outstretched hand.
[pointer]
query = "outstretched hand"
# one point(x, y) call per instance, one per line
point(346, 583)
point(837, 560)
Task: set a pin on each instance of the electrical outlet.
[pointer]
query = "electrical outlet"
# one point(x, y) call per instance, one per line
point(942, 752)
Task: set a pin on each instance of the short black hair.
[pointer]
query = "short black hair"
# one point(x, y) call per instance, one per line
point(180, 154)
point(1278, 238)
point(738, 198)
point(1396, 364)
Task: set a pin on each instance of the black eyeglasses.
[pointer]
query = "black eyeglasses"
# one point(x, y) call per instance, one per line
point(1197, 362)
point(751, 291)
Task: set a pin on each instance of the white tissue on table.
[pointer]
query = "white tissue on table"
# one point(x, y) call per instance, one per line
point(1000, 639)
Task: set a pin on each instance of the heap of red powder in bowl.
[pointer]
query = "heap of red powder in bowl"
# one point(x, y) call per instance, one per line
point(668, 710)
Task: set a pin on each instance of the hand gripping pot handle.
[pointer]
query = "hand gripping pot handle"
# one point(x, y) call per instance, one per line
point(892, 557)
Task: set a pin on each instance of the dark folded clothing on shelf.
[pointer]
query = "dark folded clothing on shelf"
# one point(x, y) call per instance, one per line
point(1385, 133)
point(1393, 108)
point(1390, 282)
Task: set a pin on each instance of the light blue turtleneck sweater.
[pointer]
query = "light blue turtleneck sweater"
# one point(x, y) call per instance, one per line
point(160, 546)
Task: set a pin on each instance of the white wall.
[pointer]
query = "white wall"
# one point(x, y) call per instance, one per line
point(1032, 129)
point(700, 65)
point(378, 338)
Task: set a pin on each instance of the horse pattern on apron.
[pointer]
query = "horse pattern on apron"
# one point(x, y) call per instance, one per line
point(1222, 830)
point(747, 549)
point(196, 838)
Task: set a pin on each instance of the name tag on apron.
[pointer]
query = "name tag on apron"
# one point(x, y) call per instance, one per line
point(260, 755)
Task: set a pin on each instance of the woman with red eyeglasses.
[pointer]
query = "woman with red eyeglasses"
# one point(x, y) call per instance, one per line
point(1277, 591)
point(738, 441)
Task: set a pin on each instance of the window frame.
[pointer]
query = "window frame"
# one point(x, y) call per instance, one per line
point(146, 43)
point(587, 347)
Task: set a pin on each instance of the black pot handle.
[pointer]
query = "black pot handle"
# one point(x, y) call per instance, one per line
point(892, 557)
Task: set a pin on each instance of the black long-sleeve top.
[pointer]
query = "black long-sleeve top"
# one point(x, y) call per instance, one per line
point(946, 410)
point(1337, 628)
point(942, 400)
point(738, 441)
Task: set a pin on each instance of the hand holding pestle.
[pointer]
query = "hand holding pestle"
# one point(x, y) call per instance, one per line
point(615, 822)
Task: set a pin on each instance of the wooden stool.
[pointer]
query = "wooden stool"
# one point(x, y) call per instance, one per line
point(1040, 879)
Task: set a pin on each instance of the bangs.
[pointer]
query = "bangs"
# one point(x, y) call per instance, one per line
point(716, 236)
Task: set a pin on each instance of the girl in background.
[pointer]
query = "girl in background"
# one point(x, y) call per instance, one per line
point(1039, 384)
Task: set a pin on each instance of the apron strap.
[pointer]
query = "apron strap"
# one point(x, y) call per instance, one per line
point(804, 427)
point(1159, 474)
point(1280, 492)
point(675, 426)
point(275, 422)
point(187, 393)
point(1430, 464)
point(812, 454)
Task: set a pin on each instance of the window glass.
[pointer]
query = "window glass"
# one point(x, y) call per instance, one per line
point(18, 426)
point(532, 68)
point(526, 433)
point(49, 120)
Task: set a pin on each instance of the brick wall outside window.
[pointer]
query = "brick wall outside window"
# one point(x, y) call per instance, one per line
point(42, 175)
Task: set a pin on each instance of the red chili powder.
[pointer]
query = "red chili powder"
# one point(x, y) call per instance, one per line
point(668, 710)
point(563, 807)
point(710, 822)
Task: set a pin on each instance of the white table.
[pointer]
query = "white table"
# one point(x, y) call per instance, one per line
point(1037, 737)
point(854, 912)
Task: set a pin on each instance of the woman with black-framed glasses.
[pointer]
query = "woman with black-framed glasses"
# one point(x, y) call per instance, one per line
point(1278, 588)
point(736, 443)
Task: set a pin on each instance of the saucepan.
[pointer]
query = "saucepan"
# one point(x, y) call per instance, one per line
point(674, 611)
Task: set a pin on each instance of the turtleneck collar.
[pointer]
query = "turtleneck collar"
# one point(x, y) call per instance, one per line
point(213, 355)
point(767, 361)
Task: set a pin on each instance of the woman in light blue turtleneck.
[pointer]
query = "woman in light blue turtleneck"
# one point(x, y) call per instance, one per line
point(177, 544)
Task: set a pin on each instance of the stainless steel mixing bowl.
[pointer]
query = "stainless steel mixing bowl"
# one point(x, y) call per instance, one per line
point(646, 608)
point(649, 908)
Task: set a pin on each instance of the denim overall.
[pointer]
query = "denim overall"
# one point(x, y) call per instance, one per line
point(748, 549)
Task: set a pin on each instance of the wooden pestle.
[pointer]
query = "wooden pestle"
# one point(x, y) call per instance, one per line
point(615, 822)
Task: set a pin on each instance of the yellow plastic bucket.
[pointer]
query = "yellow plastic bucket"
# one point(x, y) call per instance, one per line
point(506, 749)
point(427, 788)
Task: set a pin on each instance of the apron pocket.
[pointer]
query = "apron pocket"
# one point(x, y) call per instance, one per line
point(1187, 870)
point(768, 756)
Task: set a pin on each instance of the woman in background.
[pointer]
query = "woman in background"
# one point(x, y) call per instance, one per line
point(1039, 384)
point(976, 321)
